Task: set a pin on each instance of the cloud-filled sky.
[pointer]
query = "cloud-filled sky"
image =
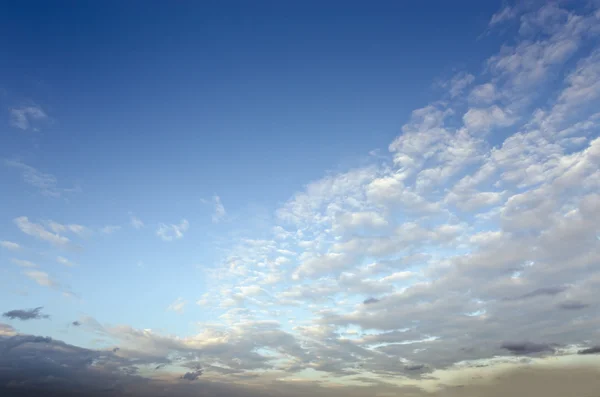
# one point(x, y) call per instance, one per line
point(300, 198)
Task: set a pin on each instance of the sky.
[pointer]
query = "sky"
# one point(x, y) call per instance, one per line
point(292, 198)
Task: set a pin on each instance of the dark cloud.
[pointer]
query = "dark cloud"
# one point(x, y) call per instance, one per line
point(573, 305)
point(13, 342)
point(192, 375)
point(35, 366)
point(525, 348)
point(546, 291)
point(416, 367)
point(590, 350)
point(26, 314)
point(370, 300)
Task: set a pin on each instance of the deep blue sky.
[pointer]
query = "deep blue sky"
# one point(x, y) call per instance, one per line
point(253, 89)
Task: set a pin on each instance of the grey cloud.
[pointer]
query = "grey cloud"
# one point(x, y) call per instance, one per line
point(26, 314)
point(370, 300)
point(573, 305)
point(55, 369)
point(416, 367)
point(192, 375)
point(545, 291)
point(525, 348)
point(590, 350)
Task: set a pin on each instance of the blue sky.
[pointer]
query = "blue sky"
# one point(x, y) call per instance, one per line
point(183, 179)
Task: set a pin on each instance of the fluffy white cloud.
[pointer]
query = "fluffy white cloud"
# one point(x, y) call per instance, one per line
point(484, 119)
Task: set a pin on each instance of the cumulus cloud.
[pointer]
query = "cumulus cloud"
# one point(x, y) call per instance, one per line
point(26, 314)
point(172, 232)
point(484, 119)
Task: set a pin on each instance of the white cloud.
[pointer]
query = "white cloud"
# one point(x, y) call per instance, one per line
point(9, 245)
point(26, 117)
point(484, 119)
point(172, 232)
point(46, 183)
point(220, 212)
point(459, 83)
point(484, 93)
point(505, 14)
point(40, 232)
point(71, 228)
point(41, 278)
point(23, 263)
point(178, 305)
point(64, 261)
point(136, 222)
point(109, 229)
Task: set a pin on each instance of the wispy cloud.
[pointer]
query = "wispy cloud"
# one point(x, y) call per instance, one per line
point(40, 232)
point(9, 245)
point(172, 232)
point(41, 278)
point(71, 228)
point(46, 183)
point(109, 229)
point(64, 261)
point(27, 117)
point(219, 211)
point(178, 305)
point(136, 222)
point(23, 263)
